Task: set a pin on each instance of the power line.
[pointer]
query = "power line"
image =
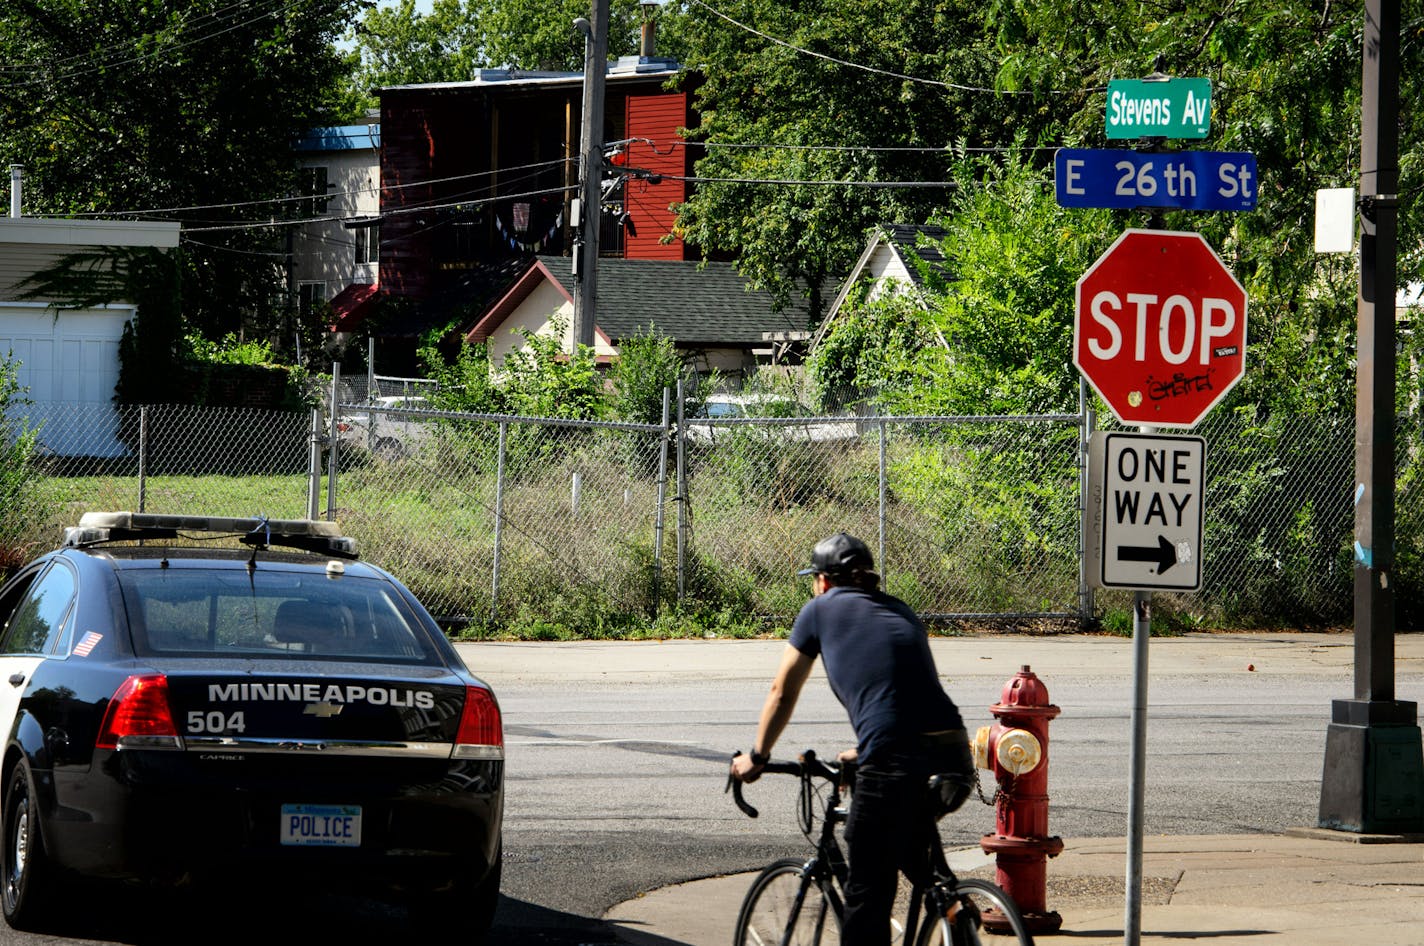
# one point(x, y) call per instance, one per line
point(854, 65)
point(278, 7)
point(379, 188)
point(478, 202)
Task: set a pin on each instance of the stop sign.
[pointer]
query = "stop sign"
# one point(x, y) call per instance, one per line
point(1159, 328)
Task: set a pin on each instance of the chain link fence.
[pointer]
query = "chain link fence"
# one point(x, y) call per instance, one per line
point(492, 519)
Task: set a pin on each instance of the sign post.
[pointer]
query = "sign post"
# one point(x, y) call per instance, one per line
point(1159, 331)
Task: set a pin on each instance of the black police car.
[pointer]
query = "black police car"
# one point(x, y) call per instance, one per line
point(173, 709)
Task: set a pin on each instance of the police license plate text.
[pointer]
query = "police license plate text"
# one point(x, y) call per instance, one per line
point(321, 825)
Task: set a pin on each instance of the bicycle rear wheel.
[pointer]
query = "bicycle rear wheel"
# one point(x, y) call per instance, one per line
point(783, 901)
point(964, 925)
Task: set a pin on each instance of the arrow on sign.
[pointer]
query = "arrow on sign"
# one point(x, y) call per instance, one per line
point(1164, 554)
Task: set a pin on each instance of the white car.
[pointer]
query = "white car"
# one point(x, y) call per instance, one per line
point(387, 431)
point(806, 426)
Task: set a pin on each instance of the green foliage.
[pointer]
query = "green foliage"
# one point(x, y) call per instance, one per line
point(647, 365)
point(881, 351)
point(229, 351)
point(464, 384)
point(540, 379)
point(1012, 258)
point(125, 106)
point(23, 502)
point(400, 45)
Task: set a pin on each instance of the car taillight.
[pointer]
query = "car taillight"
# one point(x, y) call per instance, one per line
point(481, 732)
point(139, 716)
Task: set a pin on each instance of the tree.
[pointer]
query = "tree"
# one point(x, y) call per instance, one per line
point(181, 110)
point(399, 45)
point(773, 113)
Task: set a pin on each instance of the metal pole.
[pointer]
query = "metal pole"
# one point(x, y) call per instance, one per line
point(1141, 634)
point(314, 465)
point(681, 495)
point(498, 519)
point(595, 69)
point(1087, 424)
point(332, 442)
point(1357, 793)
point(142, 456)
point(371, 391)
point(660, 513)
point(884, 489)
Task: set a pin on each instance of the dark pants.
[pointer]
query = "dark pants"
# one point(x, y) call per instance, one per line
point(886, 830)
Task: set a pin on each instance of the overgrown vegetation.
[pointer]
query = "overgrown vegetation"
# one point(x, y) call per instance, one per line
point(24, 503)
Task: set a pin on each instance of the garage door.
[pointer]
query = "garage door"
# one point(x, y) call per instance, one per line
point(70, 364)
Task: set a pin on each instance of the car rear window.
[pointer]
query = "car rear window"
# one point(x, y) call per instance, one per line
point(271, 614)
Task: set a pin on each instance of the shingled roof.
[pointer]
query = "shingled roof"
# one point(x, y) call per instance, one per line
point(695, 304)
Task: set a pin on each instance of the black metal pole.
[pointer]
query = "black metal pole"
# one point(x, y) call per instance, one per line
point(1373, 759)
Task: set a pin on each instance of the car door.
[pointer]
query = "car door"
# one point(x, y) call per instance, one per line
point(34, 619)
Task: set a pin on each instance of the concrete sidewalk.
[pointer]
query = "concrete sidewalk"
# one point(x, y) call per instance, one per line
point(1304, 888)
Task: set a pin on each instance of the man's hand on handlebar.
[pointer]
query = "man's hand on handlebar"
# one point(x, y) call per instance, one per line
point(744, 769)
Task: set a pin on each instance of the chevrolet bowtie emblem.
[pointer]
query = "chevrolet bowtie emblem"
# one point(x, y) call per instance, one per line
point(324, 710)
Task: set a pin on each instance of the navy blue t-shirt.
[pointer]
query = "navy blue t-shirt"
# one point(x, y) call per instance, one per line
point(878, 661)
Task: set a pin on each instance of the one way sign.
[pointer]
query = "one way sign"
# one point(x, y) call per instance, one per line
point(1145, 511)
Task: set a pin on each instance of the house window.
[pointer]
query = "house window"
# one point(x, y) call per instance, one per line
point(368, 244)
point(315, 186)
point(309, 296)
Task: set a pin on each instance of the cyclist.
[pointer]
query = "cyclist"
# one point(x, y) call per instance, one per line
point(879, 666)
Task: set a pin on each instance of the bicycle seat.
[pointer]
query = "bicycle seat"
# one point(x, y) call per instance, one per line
point(948, 791)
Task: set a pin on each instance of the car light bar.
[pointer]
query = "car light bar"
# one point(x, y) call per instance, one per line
point(313, 535)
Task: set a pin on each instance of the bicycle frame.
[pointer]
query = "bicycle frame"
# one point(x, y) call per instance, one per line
point(828, 868)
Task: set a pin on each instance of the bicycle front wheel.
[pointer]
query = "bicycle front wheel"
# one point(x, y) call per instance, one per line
point(963, 924)
point(784, 905)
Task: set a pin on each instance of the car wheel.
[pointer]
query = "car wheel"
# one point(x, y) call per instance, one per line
point(463, 911)
point(25, 892)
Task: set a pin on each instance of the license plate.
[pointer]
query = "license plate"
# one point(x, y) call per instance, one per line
point(321, 825)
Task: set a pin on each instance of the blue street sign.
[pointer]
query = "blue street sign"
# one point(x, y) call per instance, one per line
point(1185, 180)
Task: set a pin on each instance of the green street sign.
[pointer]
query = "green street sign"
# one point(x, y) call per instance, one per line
point(1159, 108)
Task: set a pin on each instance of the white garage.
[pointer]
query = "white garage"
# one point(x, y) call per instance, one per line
point(68, 359)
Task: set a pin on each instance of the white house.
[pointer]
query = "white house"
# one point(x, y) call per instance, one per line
point(68, 359)
point(336, 256)
point(890, 262)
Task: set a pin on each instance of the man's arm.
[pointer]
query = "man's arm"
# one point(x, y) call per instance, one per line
point(776, 712)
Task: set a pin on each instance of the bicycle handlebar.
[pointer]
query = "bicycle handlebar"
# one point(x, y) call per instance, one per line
point(807, 766)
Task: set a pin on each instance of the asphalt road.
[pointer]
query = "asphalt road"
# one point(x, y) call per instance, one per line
point(617, 757)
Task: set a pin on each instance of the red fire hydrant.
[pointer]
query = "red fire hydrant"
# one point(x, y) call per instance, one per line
point(1015, 749)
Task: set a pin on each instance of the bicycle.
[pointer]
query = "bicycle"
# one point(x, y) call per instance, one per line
point(799, 902)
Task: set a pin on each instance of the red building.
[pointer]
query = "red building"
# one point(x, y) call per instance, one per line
point(479, 176)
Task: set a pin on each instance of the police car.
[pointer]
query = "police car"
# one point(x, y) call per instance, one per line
point(174, 708)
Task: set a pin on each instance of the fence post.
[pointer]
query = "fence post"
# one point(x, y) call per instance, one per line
point(142, 457)
point(681, 495)
point(332, 451)
point(660, 513)
point(884, 489)
point(1087, 422)
point(314, 465)
point(498, 519)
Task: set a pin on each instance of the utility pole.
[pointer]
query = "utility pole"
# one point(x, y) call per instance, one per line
point(1373, 759)
point(595, 69)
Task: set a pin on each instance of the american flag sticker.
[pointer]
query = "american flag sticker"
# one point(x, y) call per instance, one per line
point(90, 641)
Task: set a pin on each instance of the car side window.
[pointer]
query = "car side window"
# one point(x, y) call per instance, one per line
point(39, 620)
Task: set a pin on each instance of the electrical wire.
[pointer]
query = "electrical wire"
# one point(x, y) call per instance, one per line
point(855, 65)
point(101, 65)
